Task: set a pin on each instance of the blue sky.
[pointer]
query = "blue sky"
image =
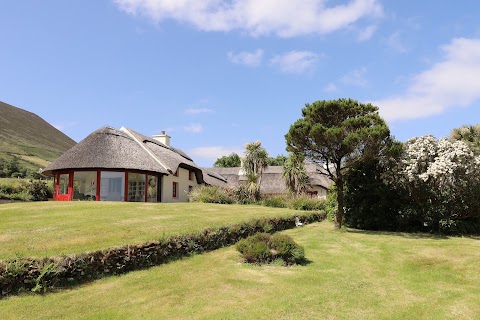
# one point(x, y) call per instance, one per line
point(218, 74)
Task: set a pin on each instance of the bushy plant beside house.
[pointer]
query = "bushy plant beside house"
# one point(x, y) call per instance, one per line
point(265, 248)
point(210, 194)
point(25, 190)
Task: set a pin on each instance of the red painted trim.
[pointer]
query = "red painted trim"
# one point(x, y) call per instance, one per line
point(125, 189)
point(97, 196)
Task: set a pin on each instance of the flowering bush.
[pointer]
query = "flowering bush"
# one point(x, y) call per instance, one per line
point(442, 179)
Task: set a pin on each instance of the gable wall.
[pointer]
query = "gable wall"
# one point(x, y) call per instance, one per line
point(182, 187)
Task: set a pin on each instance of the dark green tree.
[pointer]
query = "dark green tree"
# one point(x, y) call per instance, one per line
point(12, 166)
point(337, 134)
point(277, 161)
point(233, 160)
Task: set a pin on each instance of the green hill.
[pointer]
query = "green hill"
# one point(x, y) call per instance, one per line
point(29, 137)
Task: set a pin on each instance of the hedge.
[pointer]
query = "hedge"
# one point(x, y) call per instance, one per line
point(45, 274)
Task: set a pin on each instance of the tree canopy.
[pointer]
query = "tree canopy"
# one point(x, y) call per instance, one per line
point(231, 161)
point(336, 134)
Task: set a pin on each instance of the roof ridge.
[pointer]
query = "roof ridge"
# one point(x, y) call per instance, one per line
point(123, 129)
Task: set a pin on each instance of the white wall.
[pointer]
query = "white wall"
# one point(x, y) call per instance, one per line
point(183, 184)
point(321, 192)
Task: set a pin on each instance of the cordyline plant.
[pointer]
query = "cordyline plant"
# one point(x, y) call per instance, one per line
point(337, 134)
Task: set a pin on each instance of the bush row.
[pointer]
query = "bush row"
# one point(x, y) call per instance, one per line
point(214, 194)
point(43, 274)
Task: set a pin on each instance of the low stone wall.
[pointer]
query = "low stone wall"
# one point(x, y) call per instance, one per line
point(41, 275)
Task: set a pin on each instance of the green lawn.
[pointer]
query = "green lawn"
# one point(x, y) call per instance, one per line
point(51, 228)
point(351, 275)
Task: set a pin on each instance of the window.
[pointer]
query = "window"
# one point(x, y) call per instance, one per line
point(176, 173)
point(84, 185)
point(191, 175)
point(63, 189)
point(136, 187)
point(112, 186)
point(175, 189)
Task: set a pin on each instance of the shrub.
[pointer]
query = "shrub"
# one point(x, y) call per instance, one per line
point(210, 194)
point(265, 248)
point(39, 191)
point(304, 202)
point(275, 202)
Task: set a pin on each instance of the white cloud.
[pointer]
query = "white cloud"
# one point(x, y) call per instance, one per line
point(448, 84)
point(331, 87)
point(356, 78)
point(213, 153)
point(194, 111)
point(194, 128)
point(366, 33)
point(284, 18)
point(251, 59)
point(295, 61)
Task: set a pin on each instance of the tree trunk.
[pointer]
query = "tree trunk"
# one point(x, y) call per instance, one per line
point(339, 215)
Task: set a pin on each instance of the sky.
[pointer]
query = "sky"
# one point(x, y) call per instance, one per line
point(216, 74)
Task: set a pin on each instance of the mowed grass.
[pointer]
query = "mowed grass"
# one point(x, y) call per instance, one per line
point(351, 275)
point(51, 228)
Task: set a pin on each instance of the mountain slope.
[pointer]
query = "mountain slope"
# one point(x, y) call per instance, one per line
point(29, 137)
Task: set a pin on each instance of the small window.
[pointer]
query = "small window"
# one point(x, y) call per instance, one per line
point(191, 175)
point(176, 173)
point(174, 190)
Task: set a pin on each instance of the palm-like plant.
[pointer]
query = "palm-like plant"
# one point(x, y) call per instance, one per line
point(470, 134)
point(253, 164)
point(294, 174)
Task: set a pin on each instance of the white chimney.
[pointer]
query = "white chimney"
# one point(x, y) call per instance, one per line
point(163, 138)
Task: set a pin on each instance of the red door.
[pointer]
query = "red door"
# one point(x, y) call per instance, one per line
point(63, 188)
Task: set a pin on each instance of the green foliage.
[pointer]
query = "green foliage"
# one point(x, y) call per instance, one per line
point(233, 160)
point(371, 203)
point(275, 202)
point(210, 194)
point(304, 202)
point(277, 161)
point(331, 204)
point(337, 133)
point(24, 190)
point(39, 191)
point(48, 271)
point(265, 248)
point(468, 134)
point(255, 249)
point(254, 162)
point(294, 173)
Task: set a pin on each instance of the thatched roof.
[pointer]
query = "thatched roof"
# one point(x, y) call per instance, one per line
point(109, 148)
point(106, 148)
point(213, 178)
point(272, 179)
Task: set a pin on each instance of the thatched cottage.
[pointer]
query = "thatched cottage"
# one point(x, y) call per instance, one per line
point(124, 165)
point(272, 182)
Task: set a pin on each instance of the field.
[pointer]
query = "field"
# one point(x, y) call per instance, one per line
point(351, 274)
